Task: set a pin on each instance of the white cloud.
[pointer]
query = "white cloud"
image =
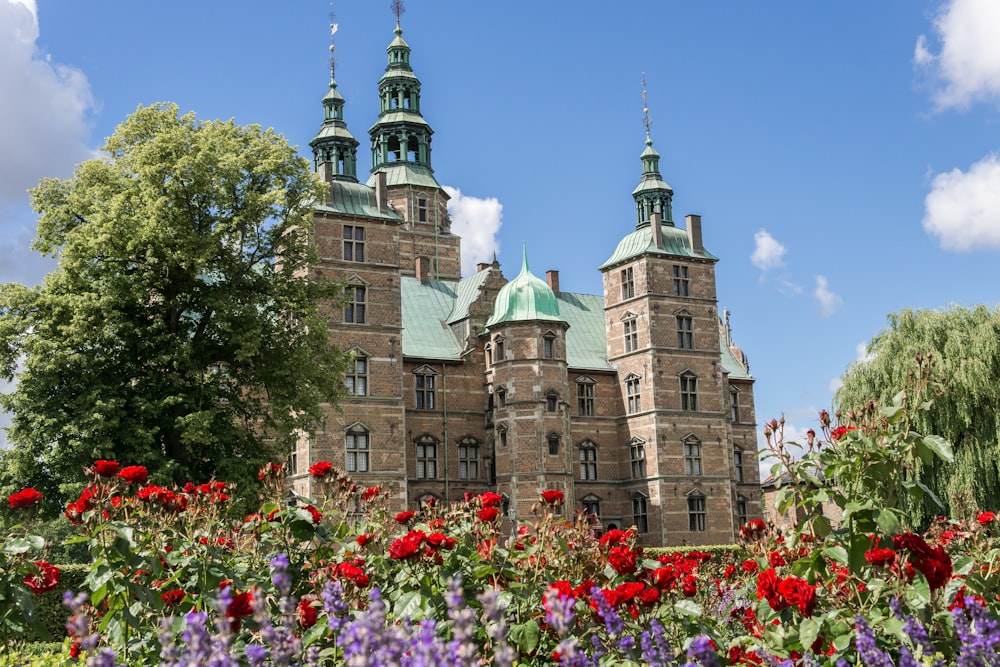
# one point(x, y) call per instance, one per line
point(834, 384)
point(767, 252)
point(44, 107)
point(863, 355)
point(829, 301)
point(477, 221)
point(968, 65)
point(963, 208)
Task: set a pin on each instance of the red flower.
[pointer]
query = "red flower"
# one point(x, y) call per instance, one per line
point(622, 559)
point(171, 598)
point(134, 474)
point(488, 514)
point(103, 468)
point(47, 578)
point(933, 563)
point(407, 546)
point(307, 613)
point(25, 498)
point(775, 559)
point(729, 573)
point(490, 499)
point(371, 493)
point(649, 596)
point(753, 528)
point(613, 537)
point(441, 541)
point(628, 591)
point(553, 497)
point(767, 587)
point(363, 539)
point(689, 586)
point(320, 469)
point(841, 431)
point(270, 469)
point(750, 566)
point(403, 517)
point(799, 593)
point(315, 513)
point(880, 557)
point(986, 518)
point(240, 606)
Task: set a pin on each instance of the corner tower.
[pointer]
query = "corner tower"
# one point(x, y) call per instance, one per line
point(401, 155)
point(335, 150)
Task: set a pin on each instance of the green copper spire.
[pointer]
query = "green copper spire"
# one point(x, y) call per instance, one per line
point(525, 298)
point(652, 195)
point(335, 150)
point(401, 138)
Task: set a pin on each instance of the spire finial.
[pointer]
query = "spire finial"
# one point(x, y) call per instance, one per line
point(333, 31)
point(398, 9)
point(524, 257)
point(646, 122)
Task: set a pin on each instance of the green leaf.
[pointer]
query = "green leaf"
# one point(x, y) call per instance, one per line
point(918, 595)
point(837, 553)
point(808, 632)
point(688, 608)
point(408, 605)
point(17, 545)
point(525, 636)
point(888, 522)
point(940, 446)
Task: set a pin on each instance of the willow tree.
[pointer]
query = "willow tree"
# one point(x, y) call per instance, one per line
point(962, 347)
point(179, 330)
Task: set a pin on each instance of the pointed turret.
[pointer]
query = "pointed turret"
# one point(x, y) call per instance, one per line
point(652, 195)
point(335, 150)
point(526, 297)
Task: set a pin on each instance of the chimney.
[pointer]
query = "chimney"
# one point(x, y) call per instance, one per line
point(381, 195)
point(694, 233)
point(482, 266)
point(423, 269)
point(552, 278)
point(655, 223)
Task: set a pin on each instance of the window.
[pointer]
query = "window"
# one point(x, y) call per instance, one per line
point(357, 449)
point(548, 346)
point(734, 405)
point(588, 461)
point(500, 348)
point(738, 463)
point(631, 334)
point(696, 513)
point(293, 462)
point(354, 244)
point(692, 456)
point(591, 506)
point(742, 516)
point(468, 458)
point(684, 335)
point(689, 392)
point(425, 391)
point(354, 310)
point(426, 457)
point(637, 452)
point(553, 440)
point(502, 436)
point(551, 399)
point(632, 395)
point(501, 397)
point(357, 376)
point(489, 354)
point(639, 513)
point(585, 397)
point(680, 281)
point(422, 210)
point(628, 283)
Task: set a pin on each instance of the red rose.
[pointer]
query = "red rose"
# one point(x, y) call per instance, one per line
point(750, 566)
point(553, 497)
point(798, 592)
point(371, 493)
point(403, 517)
point(649, 596)
point(134, 474)
point(441, 541)
point(320, 469)
point(613, 537)
point(103, 468)
point(622, 559)
point(880, 557)
point(729, 573)
point(986, 518)
point(936, 567)
point(240, 606)
point(753, 528)
point(270, 469)
point(315, 513)
point(689, 586)
point(775, 559)
point(47, 578)
point(841, 431)
point(308, 614)
point(363, 539)
point(488, 514)
point(25, 498)
point(628, 591)
point(407, 546)
point(490, 499)
point(172, 598)
point(767, 587)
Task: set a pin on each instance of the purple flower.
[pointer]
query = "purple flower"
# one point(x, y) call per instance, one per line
point(870, 654)
point(701, 654)
point(978, 634)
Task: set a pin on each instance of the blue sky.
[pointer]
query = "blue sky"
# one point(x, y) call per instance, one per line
point(843, 156)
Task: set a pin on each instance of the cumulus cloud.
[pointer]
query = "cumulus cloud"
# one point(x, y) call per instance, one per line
point(44, 108)
point(963, 208)
point(967, 67)
point(768, 253)
point(829, 301)
point(477, 221)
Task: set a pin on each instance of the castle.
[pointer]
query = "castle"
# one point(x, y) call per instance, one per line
point(634, 403)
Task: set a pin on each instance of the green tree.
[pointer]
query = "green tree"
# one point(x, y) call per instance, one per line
point(962, 349)
point(180, 329)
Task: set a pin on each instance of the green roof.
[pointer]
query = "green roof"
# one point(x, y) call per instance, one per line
point(466, 292)
point(426, 306)
point(586, 338)
point(640, 242)
point(354, 199)
point(526, 297)
point(406, 173)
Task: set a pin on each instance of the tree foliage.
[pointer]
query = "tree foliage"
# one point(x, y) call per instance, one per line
point(962, 349)
point(179, 330)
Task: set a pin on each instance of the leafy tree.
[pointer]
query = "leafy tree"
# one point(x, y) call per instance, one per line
point(962, 349)
point(180, 329)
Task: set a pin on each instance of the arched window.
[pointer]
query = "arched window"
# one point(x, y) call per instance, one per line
point(427, 447)
point(692, 456)
point(588, 461)
point(637, 453)
point(468, 458)
point(357, 374)
point(358, 441)
point(551, 401)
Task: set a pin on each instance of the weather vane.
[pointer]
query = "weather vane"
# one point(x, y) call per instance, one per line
point(398, 9)
point(646, 122)
point(333, 31)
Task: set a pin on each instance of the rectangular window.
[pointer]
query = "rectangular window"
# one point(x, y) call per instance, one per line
point(631, 335)
point(588, 463)
point(692, 457)
point(637, 452)
point(639, 514)
point(680, 281)
point(354, 310)
point(548, 347)
point(357, 452)
point(502, 433)
point(592, 508)
point(734, 405)
point(738, 463)
point(357, 377)
point(685, 339)
point(354, 244)
point(742, 515)
point(696, 514)
point(293, 462)
point(500, 350)
point(689, 392)
point(422, 210)
point(553, 445)
point(585, 398)
point(468, 459)
point(628, 283)
point(426, 460)
point(550, 402)
point(425, 392)
point(633, 396)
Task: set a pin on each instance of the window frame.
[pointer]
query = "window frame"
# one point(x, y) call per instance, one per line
point(689, 391)
point(628, 283)
point(353, 375)
point(640, 512)
point(685, 334)
point(630, 327)
point(424, 388)
point(426, 457)
point(549, 346)
point(354, 243)
point(697, 513)
point(468, 458)
point(553, 440)
point(682, 282)
point(585, 397)
point(357, 457)
point(738, 464)
point(551, 401)
point(355, 304)
point(734, 404)
point(637, 458)
point(633, 394)
point(588, 462)
point(692, 456)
